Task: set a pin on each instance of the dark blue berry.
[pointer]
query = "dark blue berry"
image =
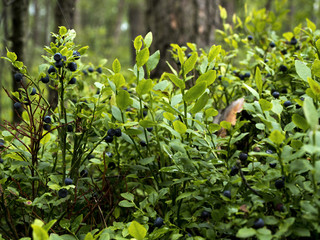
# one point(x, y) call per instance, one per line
point(17, 105)
point(293, 41)
point(272, 44)
point(149, 129)
point(72, 80)
point(111, 165)
point(68, 181)
point(63, 193)
point(52, 69)
point(287, 103)
point(109, 154)
point(18, 77)
point(247, 75)
point(1, 160)
point(272, 165)
point(276, 94)
point(250, 37)
point(143, 143)
point(99, 70)
point(269, 151)
point(47, 119)
point(72, 66)
point(279, 183)
point(33, 92)
point(158, 222)
point(45, 79)
point(205, 214)
point(145, 113)
point(84, 173)
point(90, 156)
point(108, 139)
point(243, 156)
point(76, 55)
point(111, 132)
point(46, 127)
point(234, 170)
point(59, 64)
point(69, 128)
point(227, 194)
point(283, 68)
point(117, 132)
point(258, 223)
point(57, 57)
point(90, 69)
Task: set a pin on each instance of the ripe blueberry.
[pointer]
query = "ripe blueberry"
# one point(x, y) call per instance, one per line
point(45, 79)
point(243, 156)
point(259, 223)
point(99, 70)
point(109, 154)
point(247, 75)
point(90, 69)
point(111, 165)
point(46, 127)
point(241, 76)
point(111, 132)
point(84, 173)
point(1, 160)
point(293, 41)
point(117, 132)
point(272, 44)
point(250, 37)
point(69, 128)
point(276, 94)
point(90, 156)
point(158, 222)
point(287, 103)
point(63, 193)
point(47, 119)
point(57, 57)
point(18, 77)
point(145, 113)
point(205, 214)
point(33, 92)
point(272, 165)
point(143, 143)
point(149, 129)
point(51, 69)
point(279, 183)
point(17, 105)
point(76, 55)
point(269, 151)
point(72, 80)
point(284, 51)
point(108, 139)
point(283, 68)
point(227, 194)
point(234, 170)
point(59, 64)
point(72, 66)
point(68, 181)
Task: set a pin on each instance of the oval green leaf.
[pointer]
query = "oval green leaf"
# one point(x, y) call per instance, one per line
point(195, 92)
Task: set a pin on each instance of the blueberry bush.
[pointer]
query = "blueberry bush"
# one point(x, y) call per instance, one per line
point(126, 156)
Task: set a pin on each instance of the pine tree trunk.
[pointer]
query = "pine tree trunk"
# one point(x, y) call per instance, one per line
point(19, 13)
point(64, 16)
point(180, 22)
point(137, 23)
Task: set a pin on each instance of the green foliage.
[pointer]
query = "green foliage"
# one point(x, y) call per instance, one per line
point(154, 158)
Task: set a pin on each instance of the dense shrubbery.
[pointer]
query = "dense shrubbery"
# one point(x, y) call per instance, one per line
point(139, 157)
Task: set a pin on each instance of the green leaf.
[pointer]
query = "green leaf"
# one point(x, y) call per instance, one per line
point(315, 68)
point(126, 203)
point(253, 92)
point(311, 25)
point(65, 223)
point(169, 116)
point(180, 127)
point(208, 77)
point(116, 113)
point(195, 92)
point(118, 80)
point(144, 86)
point(88, 236)
point(146, 123)
point(148, 39)
point(265, 105)
point(128, 196)
point(223, 12)
point(137, 42)
point(180, 55)
point(310, 112)
point(39, 233)
point(142, 57)
point(245, 232)
point(62, 31)
point(211, 112)
point(213, 53)
point(200, 103)
point(190, 63)
point(116, 66)
point(76, 223)
point(300, 122)
point(49, 225)
point(177, 81)
point(258, 79)
point(12, 56)
point(303, 71)
point(153, 61)
point(277, 137)
point(137, 231)
point(123, 99)
point(225, 124)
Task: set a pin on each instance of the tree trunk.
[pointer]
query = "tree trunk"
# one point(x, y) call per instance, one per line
point(137, 23)
point(119, 19)
point(64, 16)
point(19, 13)
point(180, 22)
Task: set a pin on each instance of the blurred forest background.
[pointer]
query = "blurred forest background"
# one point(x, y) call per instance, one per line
point(108, 27)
